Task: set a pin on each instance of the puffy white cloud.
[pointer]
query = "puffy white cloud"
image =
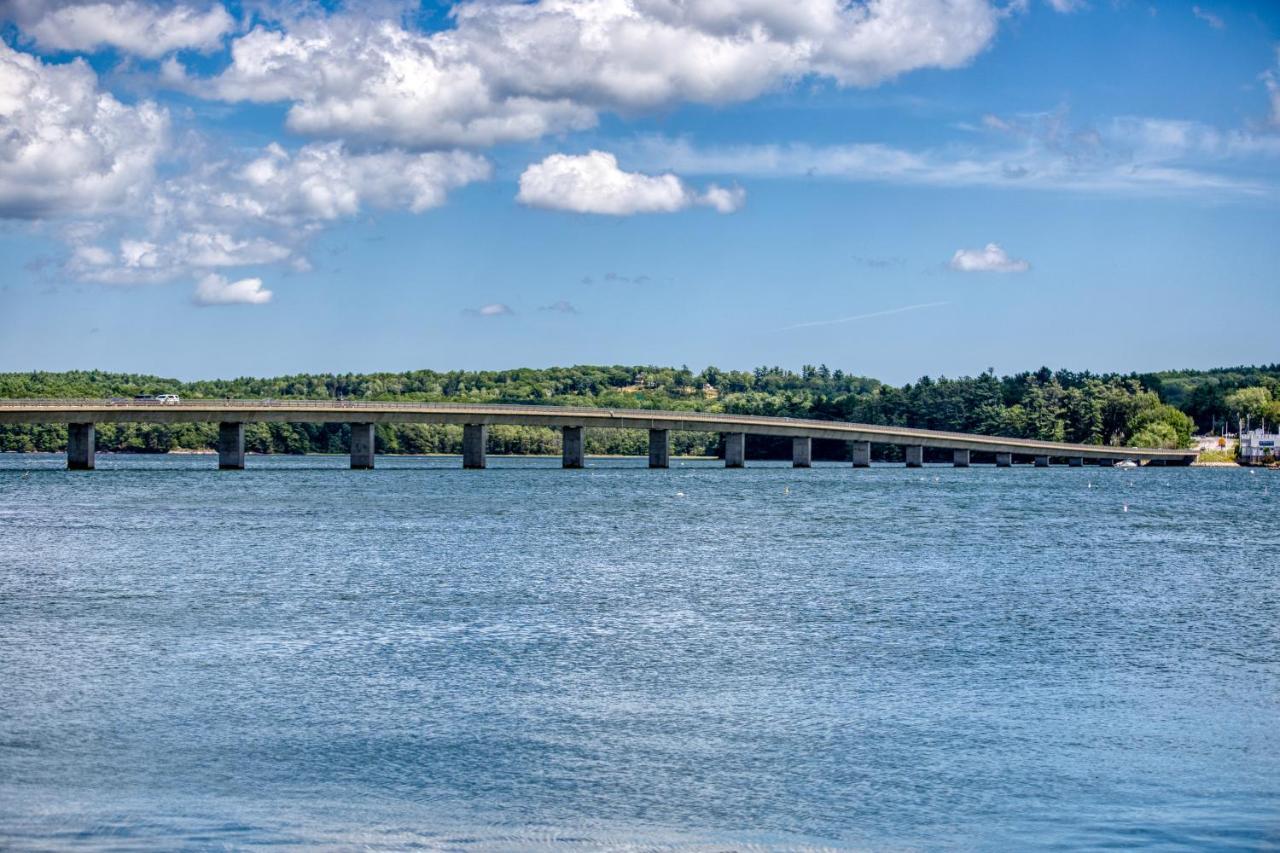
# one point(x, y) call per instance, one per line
point(377, 81)
point(593, 183)
point(724, 199)
point(325, 181)
point(142, 28)
point(990, 258)
point(166, 257)
point(236, 213)
point(65, 146)
point(515, 71)
point(213, 289)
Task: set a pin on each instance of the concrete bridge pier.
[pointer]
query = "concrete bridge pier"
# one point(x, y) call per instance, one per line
point(960, 458)
point(860, 451)
point(80, 447)
point(1106, 463)
point(474, 439)
point(362, 444)
point(230, 446)
point(1004, 460)
point(915, 456)
point(572, 454)
point(801, 453)
point(1042, 461)
point(735, 450)
point(659, 448)
point(1076, 461)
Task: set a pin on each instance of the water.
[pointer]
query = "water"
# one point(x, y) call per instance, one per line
point(526, 657)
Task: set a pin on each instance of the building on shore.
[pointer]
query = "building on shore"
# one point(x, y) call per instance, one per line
point(1259, 448)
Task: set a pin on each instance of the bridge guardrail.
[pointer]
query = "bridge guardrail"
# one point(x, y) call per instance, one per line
point(903, 432)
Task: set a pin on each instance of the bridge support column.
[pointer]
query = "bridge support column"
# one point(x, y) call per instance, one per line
point(915, 456)
point(230, 446)
point(735, 450)
point(960, 458)
point(80, 447)
point(1106, 463)
point(659, 448)
point(801, 453)
point(860, 451)
point(572, 454)
point(1042, 461)
point(1076, 461)
point(1004, 460)
point(475, 437)
point(362, 445)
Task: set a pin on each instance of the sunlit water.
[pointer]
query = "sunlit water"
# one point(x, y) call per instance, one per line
point(523, 657)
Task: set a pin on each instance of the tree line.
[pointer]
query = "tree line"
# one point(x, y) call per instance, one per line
point(1150, 410)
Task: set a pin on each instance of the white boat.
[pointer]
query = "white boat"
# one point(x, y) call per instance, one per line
point(1126, 463)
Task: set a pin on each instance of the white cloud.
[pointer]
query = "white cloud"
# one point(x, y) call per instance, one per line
point(724, 199)
point(325, 181)
point(516, 71)
point(1067, 6)
point(213, 289)
point(593, 183)
point(232, 213)
point(493, 309)
point(142, 28)
point(1208, 17)
point(65, 146)
point(990, 258)
point(1125, 156)
point(1271, 79)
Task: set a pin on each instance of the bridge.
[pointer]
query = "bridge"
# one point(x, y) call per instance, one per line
point(231, 415)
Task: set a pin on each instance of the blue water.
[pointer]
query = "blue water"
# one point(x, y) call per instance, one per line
point(526, 657)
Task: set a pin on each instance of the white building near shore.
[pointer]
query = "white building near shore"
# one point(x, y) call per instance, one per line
point(1257, 447)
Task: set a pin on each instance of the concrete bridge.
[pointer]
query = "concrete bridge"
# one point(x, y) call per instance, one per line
point(231, 415)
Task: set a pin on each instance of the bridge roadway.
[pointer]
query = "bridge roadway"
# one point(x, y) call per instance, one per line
point(80, 416)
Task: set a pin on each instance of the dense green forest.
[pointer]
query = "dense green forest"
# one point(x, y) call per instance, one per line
point(1152, 410)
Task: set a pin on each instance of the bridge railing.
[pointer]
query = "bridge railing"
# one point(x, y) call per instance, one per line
point(903, 432)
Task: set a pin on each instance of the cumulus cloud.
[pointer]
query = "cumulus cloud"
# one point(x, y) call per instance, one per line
point(66, 146)
point(213, 289)
point(990, 258)
point(593, 183)
point(325, 181)
point(143, 28)
point(519, 70)
point(235, 213)
point(137, 260)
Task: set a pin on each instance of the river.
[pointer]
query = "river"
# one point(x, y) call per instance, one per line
point(530, 658)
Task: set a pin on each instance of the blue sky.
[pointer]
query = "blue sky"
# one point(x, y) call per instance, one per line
point(895, 188)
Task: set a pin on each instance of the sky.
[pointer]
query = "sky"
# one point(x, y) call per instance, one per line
point(895, 188)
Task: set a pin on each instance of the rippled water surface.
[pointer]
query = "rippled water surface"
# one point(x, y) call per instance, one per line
point(525, 657)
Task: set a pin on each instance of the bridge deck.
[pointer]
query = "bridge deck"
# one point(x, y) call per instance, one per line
point(330, 411)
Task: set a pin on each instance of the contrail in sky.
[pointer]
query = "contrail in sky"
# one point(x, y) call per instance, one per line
point(864, 316)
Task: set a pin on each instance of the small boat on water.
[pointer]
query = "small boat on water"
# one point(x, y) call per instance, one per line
point(1126, 463)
